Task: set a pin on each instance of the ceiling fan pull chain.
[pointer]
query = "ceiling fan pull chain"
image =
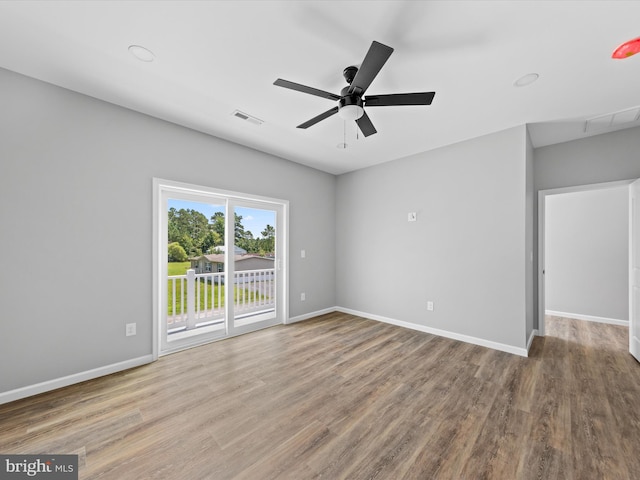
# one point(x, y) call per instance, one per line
point(344, 133)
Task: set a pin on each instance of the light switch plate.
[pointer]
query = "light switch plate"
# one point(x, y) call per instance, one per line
point(412, 217)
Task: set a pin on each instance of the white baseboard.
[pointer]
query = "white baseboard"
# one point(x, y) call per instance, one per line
point(441, 333)
point(534, 334)
point(588, 318)
point(11, 395)
point(307, 316)
point(18, 393)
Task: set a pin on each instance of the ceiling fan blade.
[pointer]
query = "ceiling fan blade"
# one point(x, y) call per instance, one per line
point(423, 98)
point(304, 89)
point(320, 117)
point(365, 125)
point(376, 57)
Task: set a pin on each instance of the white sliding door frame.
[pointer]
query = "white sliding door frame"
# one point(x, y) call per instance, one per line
point(167, 188)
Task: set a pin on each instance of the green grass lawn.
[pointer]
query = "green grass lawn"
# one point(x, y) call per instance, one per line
point(180, 268)
point(177, 268)
point(211, 292)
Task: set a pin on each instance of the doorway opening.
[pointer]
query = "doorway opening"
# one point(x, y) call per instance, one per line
point(577, 295)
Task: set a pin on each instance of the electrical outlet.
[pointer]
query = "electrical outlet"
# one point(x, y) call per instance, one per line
point(303, 297)
point(130, 329)
point(430, 306)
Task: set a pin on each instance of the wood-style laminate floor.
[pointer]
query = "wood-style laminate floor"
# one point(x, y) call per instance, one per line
point(344, 397)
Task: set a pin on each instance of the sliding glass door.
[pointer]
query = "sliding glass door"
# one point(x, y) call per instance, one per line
point(256, 265)
point(220, 264)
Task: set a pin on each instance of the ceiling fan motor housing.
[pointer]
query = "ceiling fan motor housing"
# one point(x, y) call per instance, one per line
point(350, 100)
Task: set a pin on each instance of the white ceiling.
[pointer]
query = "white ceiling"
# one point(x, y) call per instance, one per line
point(218, 56)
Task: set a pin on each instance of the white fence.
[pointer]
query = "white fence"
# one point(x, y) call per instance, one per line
point(198, 299)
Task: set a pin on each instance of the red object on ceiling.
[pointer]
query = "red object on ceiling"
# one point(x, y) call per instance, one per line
point(627, 49)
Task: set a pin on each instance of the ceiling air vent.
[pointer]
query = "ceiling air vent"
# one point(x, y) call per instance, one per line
point(612, 120)
point(247, 117)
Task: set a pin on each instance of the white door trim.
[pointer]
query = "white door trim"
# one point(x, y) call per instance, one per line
point(634, 270)
point(542, 195)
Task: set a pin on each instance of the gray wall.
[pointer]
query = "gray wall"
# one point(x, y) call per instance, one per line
point(603, 158)
point(466, 252)
point(76, 214)
point(587, 253)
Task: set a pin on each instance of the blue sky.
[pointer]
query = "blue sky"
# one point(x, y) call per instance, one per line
point(253, 219)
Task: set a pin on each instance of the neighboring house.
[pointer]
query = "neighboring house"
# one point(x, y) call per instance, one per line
point(215, 263)
point(237, 250)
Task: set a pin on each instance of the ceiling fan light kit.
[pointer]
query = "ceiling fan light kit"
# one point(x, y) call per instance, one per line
point(351, 101)
point(350, 111)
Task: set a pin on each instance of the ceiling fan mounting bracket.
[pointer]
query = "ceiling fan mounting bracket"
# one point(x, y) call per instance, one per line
point(349, 73)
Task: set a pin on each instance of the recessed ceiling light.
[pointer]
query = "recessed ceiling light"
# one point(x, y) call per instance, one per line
point(528, 79)
point(141, 53)
point(627, 49)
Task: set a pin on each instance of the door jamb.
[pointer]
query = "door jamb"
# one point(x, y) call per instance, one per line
point(542, 195)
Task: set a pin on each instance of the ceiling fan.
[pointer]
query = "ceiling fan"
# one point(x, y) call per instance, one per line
point(351, 102)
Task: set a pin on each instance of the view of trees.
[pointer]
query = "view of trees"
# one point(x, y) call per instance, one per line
point(176, 253)
point(191, 234)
